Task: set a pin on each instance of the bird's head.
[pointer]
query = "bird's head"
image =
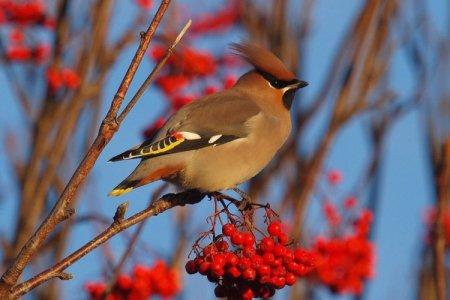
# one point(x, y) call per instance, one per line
point(270, 76)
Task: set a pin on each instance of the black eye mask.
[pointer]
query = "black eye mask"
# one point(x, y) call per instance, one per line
point(277, 83)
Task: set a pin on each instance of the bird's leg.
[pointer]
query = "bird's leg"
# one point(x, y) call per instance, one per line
point(246, 200)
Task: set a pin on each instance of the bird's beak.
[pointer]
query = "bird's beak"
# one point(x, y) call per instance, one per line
point(298, 84)
point(302, 84)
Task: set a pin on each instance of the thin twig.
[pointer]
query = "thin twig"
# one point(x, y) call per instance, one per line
point(151, 76)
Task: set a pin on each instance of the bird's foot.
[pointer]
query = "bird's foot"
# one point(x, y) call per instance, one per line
point(188, 196)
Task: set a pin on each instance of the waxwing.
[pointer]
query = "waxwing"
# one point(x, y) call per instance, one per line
point(223, 139)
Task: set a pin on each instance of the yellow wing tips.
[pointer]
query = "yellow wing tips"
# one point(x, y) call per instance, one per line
point(166, 148)
point(119, 191)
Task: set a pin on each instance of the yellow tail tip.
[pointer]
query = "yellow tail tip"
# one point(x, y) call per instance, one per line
point(119, 192)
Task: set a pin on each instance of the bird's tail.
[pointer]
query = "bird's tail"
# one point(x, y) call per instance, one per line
point(124, 187)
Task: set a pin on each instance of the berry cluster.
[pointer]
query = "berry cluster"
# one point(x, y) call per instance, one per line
point(244, 268)
point(62, 78)
point(144, 283)
point(22, 20)
point(26, 20)
point(19, 51)
point(23, 13)
point(345, 261)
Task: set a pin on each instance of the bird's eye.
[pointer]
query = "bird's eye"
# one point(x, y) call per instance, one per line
point(276, 83)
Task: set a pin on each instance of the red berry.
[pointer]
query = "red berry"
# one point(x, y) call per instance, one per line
point(266, 244)
point(248, 240)
point(283, 239)
point(300, 255)
point(124, 282)
point(247, 293)
point(289, 254)
point(274, 228)
point(279, 271)
point(220, 291)
point(249, 274)
point(228, 229)
point(191, 267)
point(249, 252)
point(279, 250)
point(198, 261)
point(268, 258)
point(301, 270)
point(244, 263)
point(231, 259)
point(204, 268)
point(234, 272)
point(304, 257)
point(209, 250)
point(218, 259)
point(292, 267)
point(222, 246)
point(256, 260)
point(263, 270)
point(236, 238)
point(216, 270)
point(334, 177)
point(265, 279)
point(277, 262)
point(290, 279)
point(278, 282)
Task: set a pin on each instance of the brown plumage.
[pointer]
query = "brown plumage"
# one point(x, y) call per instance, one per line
point(224, 139)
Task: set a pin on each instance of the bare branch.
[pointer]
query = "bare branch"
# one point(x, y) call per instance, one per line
point(159, 206)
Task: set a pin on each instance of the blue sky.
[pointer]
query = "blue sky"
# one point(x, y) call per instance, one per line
point(405, 187)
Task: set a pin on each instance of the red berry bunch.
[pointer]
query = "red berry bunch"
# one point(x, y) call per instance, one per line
point(24, 13)
point(244, 268)
point(345, 262)
point(145, 282)
point(62, 78)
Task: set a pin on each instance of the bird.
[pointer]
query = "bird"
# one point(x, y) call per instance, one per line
point(223, 139)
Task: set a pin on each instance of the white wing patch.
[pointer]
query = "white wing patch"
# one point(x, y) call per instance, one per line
point(190, 135)
point(214, 138)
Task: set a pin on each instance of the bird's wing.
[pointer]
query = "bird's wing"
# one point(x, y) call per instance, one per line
point(208, 122)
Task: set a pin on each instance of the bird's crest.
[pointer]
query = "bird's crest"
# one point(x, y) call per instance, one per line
point(263, 60)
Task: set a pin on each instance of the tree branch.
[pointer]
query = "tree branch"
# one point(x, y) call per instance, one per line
point(118, 225)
